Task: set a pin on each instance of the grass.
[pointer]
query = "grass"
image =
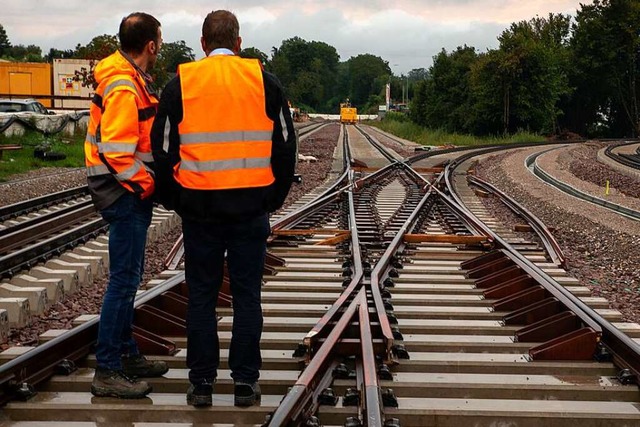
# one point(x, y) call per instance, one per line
point(21, 161)
point(413, 132)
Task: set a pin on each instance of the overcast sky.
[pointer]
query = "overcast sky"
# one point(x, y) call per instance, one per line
point(406, 33)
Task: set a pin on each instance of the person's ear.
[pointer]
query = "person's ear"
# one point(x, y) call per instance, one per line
point(203, 44)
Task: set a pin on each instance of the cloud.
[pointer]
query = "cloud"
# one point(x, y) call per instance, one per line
point(404, 32)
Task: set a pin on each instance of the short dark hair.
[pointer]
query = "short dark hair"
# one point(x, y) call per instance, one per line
point(136, 30)
point(220, 29)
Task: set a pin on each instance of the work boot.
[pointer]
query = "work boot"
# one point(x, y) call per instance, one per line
point(245, 393)
point(199, 395)
point(107, 382)
point(138, 366)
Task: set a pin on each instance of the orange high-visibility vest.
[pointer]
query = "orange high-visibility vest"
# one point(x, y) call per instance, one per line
point(118, 140)
point(225, 133)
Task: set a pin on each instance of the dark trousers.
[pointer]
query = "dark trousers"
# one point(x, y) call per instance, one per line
point(128, 218)
point(205, 245)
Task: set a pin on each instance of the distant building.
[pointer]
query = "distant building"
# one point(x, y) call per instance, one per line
point(65, 85)
point(40, 80)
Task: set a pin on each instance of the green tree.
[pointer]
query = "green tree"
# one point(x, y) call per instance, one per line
point(252, 52)
point(173, 54)
point(368, 75)
point(413, 77)
point(308, 71)
point(22, 53)
point(490, 87)
point(605, 53)
point(58, 54)
point(534, 72)
point(5, 44)
point(99, 47)
point(446, 96)
point(419, 102)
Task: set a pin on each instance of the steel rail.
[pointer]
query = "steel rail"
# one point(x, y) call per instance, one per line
point(42, 218)
point(20, 208)
point(626, 352)
point(372, 406)
point(31, 255)
point(298, 402)
point(319, 329)
point(381, 148)
point(39, 364)
point(175, 254)
point(629, 160)
point(331, 195)
point(327, 196)
point(47, 226)
point(292, 408)
point(307, 131)
point(357, 257)
point(550, 243)
point(481, 149)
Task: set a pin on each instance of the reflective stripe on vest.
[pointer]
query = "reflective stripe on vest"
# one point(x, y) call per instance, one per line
point(225, 134)
point(221, 165)
point(209, 137)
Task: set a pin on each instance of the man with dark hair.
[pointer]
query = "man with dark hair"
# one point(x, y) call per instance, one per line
point(227, 160)
point(120, 177)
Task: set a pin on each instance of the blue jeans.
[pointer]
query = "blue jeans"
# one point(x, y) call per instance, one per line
point(205, 245)
point(128, 218)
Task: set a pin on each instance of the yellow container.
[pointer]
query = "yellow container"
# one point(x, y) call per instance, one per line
point(27, 80)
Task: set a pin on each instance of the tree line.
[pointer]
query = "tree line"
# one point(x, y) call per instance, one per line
point(550, 75)
point(312, 74)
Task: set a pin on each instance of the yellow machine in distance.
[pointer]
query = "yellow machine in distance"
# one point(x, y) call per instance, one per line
point(348, 114)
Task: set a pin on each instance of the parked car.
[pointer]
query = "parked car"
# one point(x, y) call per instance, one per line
point(21, 105)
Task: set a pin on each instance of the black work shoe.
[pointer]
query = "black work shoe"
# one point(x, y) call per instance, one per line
point(138, 366)
point(246, 394)
point(199, 395)
point(110, 383)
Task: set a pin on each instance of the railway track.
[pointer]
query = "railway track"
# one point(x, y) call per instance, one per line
point(391, 298)
point(533, 164)
point(626, 153)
